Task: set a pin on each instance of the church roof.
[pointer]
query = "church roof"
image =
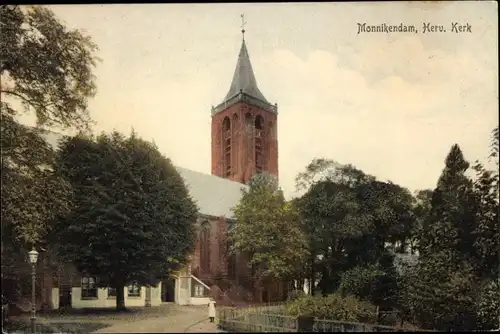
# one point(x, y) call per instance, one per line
point(244, 78)
point(214, 195)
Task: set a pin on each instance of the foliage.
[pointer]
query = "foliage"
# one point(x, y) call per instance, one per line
point(375, 283)
point(349, 218)
point(489, 305)
point(46, 70)
point(450, 222)
point(32, 195)
point(133, 218)
point(268, 229)
point(458, 247)
point(441, 295)
point(333, 307)
point(360, 281)
point(486, 233)
point(45, 67)
point(317, 170)
point(421, 210)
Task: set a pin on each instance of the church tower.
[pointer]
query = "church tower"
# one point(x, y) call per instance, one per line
point(244, 128)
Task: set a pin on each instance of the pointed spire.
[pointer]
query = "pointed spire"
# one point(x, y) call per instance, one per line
point(243, 26)
point(244, 78)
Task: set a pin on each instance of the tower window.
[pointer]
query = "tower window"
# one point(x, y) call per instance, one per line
point(259, 122)
point(226, 124)
point(226, 149)
point(271, 131)
point(258, 144)
point(249, 123)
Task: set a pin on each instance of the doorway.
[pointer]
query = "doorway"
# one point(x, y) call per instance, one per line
point(65, 296)
point(168, 290)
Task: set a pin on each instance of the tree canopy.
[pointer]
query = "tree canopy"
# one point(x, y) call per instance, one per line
point(268, 230)
point(133, 219)
point(46, 71)
point(45, 67)
point(454, 285)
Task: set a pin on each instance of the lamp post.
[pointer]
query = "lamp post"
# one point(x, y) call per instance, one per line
point(33, 257)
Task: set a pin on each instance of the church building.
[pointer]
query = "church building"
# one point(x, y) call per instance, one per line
point(243, 144)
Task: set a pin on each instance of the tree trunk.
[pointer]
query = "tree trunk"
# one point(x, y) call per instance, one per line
point(120, 297)
point(312, 281)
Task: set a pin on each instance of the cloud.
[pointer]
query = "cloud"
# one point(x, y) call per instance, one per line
point(392, 109)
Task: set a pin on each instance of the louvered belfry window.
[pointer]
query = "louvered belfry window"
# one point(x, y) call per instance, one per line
point(226, 136)
point(259, 128)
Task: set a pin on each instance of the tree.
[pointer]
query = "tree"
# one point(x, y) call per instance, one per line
point(349, 217)
point(318, 169)
point(450, 222)
point(33, 196)
point(45, 67)
point(133, 219)
point(421, 210)
point(45, 70)
point(268, 229)
point(487, 239)
point(440, 292)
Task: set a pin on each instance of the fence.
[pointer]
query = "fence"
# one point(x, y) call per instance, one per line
point(270, 318)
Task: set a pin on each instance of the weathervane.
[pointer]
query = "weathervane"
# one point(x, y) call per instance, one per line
point(243, 22)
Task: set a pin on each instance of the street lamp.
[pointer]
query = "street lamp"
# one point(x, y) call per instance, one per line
point(33, 257)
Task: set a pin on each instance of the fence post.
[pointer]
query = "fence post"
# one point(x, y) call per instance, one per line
point(305, 323)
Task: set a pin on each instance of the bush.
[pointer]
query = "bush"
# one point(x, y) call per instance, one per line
point(294, 294)
point(333, 307)
point(489, 305)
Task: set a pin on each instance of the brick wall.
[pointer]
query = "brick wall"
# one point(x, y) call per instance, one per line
point(242, 148)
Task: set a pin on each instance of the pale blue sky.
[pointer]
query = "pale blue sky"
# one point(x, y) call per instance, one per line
point(391, 104)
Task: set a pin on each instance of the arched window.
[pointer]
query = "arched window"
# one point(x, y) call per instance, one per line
point(259, 126)
point(226, 124)
point(205, 246)
point(249, 122)
point(226, 146)
point(270, 129)
point(259, 122)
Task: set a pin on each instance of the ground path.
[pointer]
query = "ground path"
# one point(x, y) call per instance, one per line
point(167, 318)
point(180, 319)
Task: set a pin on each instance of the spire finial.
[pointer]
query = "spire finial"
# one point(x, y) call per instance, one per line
point(243, 22)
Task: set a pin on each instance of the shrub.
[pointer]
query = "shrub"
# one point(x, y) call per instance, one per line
point(489, 305)
point(294, 294)
point(333, 307)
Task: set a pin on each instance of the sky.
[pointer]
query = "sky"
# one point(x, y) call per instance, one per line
point(391, 104)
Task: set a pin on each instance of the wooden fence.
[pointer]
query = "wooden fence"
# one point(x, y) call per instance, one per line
point(270, 318)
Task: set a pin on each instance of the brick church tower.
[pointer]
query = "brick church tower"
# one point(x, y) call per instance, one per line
point(244, 128)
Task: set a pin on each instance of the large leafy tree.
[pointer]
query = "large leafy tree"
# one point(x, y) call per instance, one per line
point(268, 230)
point(440, 293)
point(349, 217)
point(450, 222)
point(133, 219)
point(487, 239)
point(45, 67)
point(46, 71)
